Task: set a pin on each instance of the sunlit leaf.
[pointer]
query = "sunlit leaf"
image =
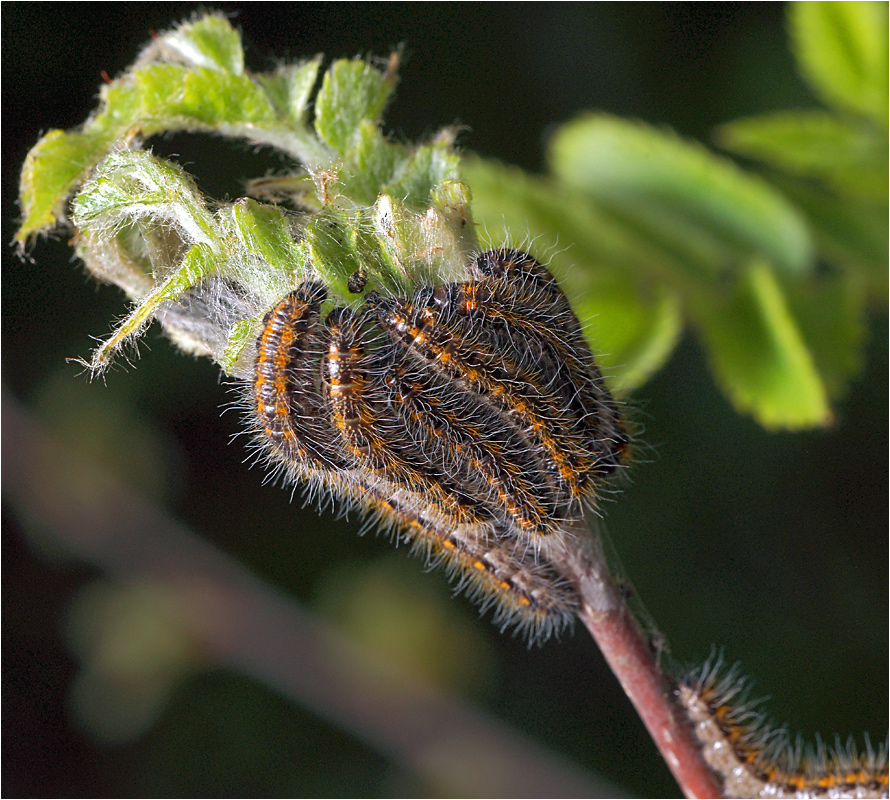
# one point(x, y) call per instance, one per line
point(842, 50)
point(352, 91)
point(849, 155)
point(699, 206)
point(290, 86)
point(51, 170)
point(210, 42)
point(759, 354)
point(831, 314)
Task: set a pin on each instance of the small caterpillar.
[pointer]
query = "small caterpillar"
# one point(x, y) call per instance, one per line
point(525, 590)
point(755, 760)
point(464, 430)
point(524, 304)
point(285, 397)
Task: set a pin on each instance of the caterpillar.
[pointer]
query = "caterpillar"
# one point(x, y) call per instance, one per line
point(755, 759)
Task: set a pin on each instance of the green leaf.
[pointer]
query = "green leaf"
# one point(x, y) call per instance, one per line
point(841, 49)
point(332, 251)
point(831, 315)
point(157, 98)
point(131, 185)
point(404, 239)
point(242, 336)
point(119, 109)
point(172, 96)
point(372, 162)
point(548, 213)
point(759, 355)
point(209, 43)
point(427, 167)
point(849, 155)
point(850, 233)
point(264, 231)
point(199, 261)
point(701, 208)
point(352, 91)
point(51, 170)
point(290, 86)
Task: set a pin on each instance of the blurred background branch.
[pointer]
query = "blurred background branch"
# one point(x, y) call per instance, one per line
point(225, 617)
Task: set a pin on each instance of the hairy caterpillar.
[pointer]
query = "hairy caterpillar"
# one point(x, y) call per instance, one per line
point(754, 759)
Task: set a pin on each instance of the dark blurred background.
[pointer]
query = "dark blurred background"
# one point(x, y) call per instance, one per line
point(773, 546)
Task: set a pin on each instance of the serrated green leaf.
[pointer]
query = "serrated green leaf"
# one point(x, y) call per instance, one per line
point(51, 169)
point(192, 78)
point(372, 162)
point(332, 251)
point(831, 315)
point(841, 48)
point(759, 355)
point(209, 43)
point(290, 86)
point(133, 184)
point(352, 91)
point(703, 210)
point(120, 107)
point(850, 155)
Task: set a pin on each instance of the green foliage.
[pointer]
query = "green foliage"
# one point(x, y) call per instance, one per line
point(833, 163)
point(842, 51)
point(840, 151)
point(775, 269)
point(769, 370)
point(703, 210)
point(365, 92)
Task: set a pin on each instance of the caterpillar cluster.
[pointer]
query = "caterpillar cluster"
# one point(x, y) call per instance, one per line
point(754, 759)
point(469, 418)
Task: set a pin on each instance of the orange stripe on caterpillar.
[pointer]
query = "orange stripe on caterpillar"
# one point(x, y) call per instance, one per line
point(285, 397)
point(562, 364)
point(376, 440)
point(475, 444)
point(518, 306)
point(536, 300)
point(494, 380)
